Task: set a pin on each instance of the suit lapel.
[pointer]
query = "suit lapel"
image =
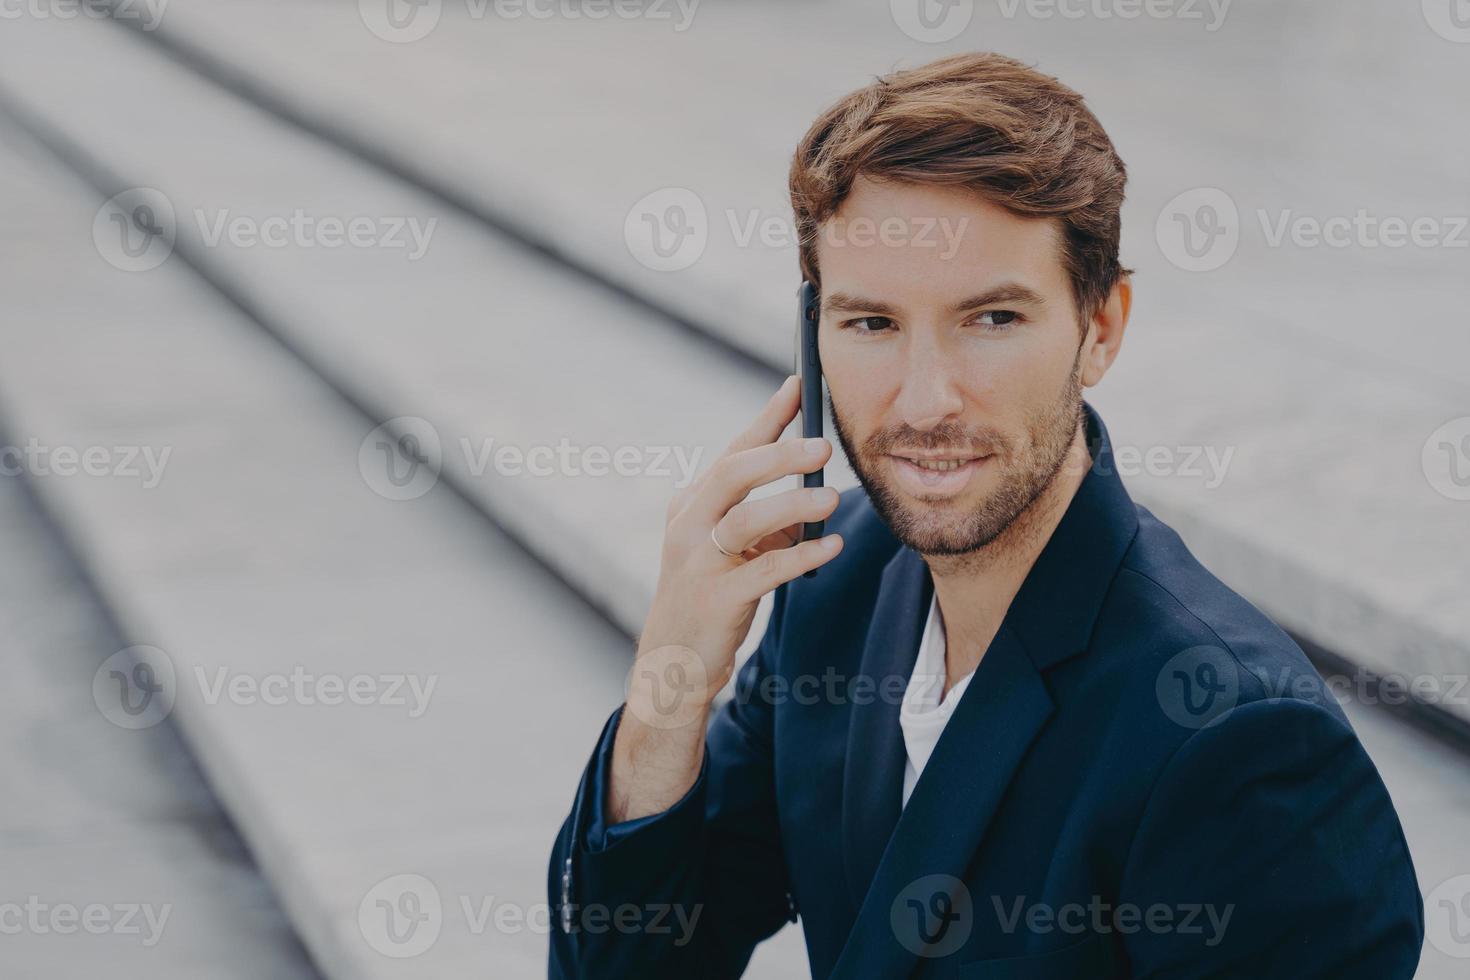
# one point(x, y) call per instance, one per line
point(872, 776)
point(997, 719)
point(1000, 715)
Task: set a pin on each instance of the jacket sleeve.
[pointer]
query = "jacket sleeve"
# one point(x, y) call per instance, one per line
point(1275, 853)
point(689, 892)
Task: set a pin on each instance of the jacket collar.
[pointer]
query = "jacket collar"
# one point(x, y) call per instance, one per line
point(1057, 605)
point(1002, 711)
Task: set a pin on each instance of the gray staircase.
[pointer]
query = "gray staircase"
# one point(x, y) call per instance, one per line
point(102, 821)
point(291, 535)
point(1288, 361)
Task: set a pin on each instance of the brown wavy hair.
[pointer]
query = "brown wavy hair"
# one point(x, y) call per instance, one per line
point(1019, 138)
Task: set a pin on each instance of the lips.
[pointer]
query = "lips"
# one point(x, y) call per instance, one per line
point(934, 477)
point(938, 465)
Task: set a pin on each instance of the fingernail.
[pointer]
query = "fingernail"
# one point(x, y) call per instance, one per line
point(814, 447)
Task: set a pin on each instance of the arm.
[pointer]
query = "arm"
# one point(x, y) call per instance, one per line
point(691, 878)
point(706, 874)
point(1272, 828)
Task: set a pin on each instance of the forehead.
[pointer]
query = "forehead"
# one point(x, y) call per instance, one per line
point(920, 240)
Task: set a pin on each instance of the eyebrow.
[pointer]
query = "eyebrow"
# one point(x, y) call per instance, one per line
point(1006, 292)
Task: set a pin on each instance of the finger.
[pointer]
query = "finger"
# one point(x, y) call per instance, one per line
point(732, 478)
point(757, 577)
point(779, 410)
point(748, 523)
point(784, 538)
point(772, 420)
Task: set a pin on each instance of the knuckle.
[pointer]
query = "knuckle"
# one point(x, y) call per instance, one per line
point(737, 523)
point(769, 564)
point(676, 536)
point(720, 469)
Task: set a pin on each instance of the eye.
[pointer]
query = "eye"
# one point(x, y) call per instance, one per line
point(869, 324)
point(999, 320)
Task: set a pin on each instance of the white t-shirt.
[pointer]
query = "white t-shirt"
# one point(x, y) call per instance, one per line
point(922, 716)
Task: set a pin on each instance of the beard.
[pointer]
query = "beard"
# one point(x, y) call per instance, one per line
point(1026, 472)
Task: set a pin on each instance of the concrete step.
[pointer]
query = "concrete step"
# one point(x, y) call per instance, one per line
point(102, 818)
point(262, 554)
point(1337, 511)
point(278, 542)
point(449, 347)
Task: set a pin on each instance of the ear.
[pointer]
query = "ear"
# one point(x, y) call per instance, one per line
point(1105, 332)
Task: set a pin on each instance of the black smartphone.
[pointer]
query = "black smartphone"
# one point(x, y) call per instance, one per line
point(809, 370)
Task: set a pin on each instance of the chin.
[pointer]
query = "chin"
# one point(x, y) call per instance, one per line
point(943, 527)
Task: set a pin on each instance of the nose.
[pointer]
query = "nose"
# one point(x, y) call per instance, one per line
point(931, 392)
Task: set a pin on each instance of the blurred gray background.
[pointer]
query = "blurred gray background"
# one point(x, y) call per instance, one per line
point(352, 351)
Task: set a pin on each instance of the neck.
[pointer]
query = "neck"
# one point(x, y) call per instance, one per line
point(974, 590)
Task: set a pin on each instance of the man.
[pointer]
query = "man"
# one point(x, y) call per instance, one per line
point(1011, 728)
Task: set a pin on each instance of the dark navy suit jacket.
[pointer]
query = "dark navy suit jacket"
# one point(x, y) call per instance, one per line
point(1145, 778)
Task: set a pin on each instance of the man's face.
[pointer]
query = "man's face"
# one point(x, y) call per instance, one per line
point(950, 345)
